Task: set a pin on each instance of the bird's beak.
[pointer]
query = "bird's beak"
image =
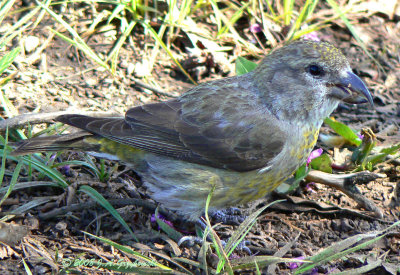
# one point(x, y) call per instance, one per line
point(351, 89)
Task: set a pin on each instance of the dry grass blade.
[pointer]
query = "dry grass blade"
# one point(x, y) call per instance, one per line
point(345, 247)
point(134, 254)
point(77, 41)
point(245, 227)
point(338, 10)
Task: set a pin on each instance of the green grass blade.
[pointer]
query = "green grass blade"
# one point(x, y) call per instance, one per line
point(171, 232)
point(117, 10)
point(4, 158)
point(27, 269)
point(230, 23)
point(13, 181)
point(103, 202)
point(344, 247)
point(244, 228)
point(30, 205)
point(129, 251)
point(378, 158)
point(353, 31)
point(88, 164)
point(270, 8)
point(121, 40)
point(8, 58)
point(288, 11)
point(43, 168)
point(217, 14)
point(5, 9)
point(306, 11)
point(261, 262)
point(159, 40)
point(77, 40)
point(9, 109)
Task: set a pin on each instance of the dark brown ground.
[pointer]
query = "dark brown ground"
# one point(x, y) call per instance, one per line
point(66, 83)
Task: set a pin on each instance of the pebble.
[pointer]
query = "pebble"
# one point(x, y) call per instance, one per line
point(345, 225)
point(91, 81)
point(297, 252)
point(31, 43)
point(123, 64)
point(130, 69)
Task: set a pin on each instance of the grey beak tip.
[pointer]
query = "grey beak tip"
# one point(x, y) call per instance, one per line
point(358, 85)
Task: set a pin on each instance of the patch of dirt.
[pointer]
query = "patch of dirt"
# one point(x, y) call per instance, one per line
point(62, 78)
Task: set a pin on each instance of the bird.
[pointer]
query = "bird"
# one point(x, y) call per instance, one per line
point(241, 136)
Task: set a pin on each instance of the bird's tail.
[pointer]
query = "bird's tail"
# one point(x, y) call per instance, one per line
point(76, 141)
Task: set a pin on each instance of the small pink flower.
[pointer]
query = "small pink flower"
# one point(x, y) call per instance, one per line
point(309, 187)
point(66, 170)
point(314, 154)
point(51, 159)
point(294, 265)
point(234, 256)
point(153, 220)
point(311, 36)
point(255, 28)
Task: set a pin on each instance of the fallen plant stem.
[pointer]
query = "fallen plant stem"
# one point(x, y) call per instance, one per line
point(37, 118)
point(153, 89)
point(347, 184)
point(116, 202)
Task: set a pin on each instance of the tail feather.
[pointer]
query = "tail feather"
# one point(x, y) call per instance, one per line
point(52, 143)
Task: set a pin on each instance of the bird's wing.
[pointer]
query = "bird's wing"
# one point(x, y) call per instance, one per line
point(242, 142)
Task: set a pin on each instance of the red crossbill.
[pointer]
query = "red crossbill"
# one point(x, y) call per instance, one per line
point(244, 134)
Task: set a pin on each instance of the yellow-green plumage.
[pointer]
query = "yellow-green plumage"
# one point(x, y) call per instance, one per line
point(244, 135)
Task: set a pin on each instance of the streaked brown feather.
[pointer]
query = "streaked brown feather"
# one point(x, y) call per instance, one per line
point(51, 143)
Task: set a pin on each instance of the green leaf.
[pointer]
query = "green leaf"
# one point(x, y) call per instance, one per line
point(43, 168)
point(344, 130)
point(322, 163)
point(291, 184)
point(301, 173)
point(244, 66)
point(378, 158)
point(391, 150)
point(360, 155)
point(8, 58)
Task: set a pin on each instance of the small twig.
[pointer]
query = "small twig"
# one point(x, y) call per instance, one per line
point(37, 118)
point(347, 184)
point(153, 89)
point(115, 202)
point(392, 159)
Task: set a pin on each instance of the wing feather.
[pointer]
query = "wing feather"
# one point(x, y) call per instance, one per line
point(236, 135)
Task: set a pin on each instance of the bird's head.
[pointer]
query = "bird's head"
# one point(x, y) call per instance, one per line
point(308, 78)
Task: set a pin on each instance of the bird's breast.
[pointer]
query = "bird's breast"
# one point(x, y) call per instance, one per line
point(305, 144)
point(294, 155)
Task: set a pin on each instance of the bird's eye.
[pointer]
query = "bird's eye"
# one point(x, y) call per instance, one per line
point(315, 70)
